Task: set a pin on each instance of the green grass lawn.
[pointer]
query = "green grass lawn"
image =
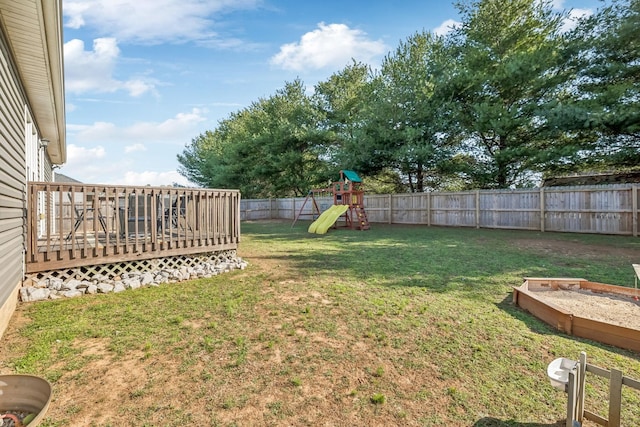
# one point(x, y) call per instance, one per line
point(398, 325)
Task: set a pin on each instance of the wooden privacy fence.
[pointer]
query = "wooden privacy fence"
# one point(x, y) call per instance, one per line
point(607, 209)
point(72, 225)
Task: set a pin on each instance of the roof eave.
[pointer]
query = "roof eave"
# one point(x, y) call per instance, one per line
point(56, 130)
point(34, 32)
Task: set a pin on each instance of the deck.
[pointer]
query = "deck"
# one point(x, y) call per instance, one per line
point(75, 225)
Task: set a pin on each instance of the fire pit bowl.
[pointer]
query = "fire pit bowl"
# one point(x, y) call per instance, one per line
point(26, 395)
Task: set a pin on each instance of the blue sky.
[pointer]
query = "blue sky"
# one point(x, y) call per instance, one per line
point(145, 77)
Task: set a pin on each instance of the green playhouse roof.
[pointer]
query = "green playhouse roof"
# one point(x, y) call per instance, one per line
point(351, 176)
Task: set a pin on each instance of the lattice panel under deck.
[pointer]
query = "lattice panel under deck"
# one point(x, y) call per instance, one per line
point(111, 271)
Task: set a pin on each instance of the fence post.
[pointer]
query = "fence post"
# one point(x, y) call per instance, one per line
point(390, 209)
point(477, 208)
point(429, 209)
point(634, 209)
point(615, 397)
point(542, 209)
point(582, 370)
point(572, 397)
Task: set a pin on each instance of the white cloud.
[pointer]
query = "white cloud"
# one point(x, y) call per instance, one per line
point(446, 27)
point(170, 130)
point(134, 147)
point(83, 161)
point(76, 154)
point(153, 178)
point(119, 173)
point(574, 16)
point(152, 22)
point(179, 129)
point(92, 70)
point(557, 4)
point(143, 153)
point(330, 45)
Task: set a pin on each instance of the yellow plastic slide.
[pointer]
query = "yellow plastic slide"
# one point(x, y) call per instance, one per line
point(327, 219)
point(314, 225)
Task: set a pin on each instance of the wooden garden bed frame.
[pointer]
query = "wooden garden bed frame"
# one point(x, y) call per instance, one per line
point(524, 296)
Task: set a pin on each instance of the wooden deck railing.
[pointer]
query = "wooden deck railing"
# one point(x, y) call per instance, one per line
point(72, 225)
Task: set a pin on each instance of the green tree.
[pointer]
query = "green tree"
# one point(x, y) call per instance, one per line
point(217, 159)
point(273, 148)
point(509, 67)
point(194, 160)
point(341, 100)
point(404, 130)
point(605, 109)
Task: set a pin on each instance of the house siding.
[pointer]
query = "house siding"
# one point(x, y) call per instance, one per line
point(12, 184)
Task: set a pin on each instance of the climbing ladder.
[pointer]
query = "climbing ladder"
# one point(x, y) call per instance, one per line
point(361, 215)
point(356, 218)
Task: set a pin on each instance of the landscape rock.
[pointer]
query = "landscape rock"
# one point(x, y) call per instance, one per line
point(146, 279)
point(131, 283)
point(69, 285)
point(72, 293)
point(55, 283)
point(105, 288)
point(55, 288)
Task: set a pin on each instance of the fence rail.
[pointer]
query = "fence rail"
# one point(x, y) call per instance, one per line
point(607, 209)
point(71, 225)
point(576, 391)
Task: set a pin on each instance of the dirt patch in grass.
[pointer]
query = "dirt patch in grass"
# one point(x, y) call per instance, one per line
point(287, 368)
point(578, 249)
point(103, 383)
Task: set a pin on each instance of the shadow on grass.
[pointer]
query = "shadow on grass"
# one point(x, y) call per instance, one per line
point(441, 260)
point(540, 327)
point(494, 422)
point(473, 262)
point(532, 322)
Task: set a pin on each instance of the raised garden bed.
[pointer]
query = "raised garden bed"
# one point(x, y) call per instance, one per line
point(593, 320)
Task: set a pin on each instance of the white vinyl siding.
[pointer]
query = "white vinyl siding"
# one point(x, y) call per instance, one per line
point(13, 176)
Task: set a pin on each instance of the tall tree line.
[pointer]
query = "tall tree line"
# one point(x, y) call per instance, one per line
point(500, 102)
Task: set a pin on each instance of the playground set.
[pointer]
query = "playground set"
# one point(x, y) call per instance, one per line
point(348, 202)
